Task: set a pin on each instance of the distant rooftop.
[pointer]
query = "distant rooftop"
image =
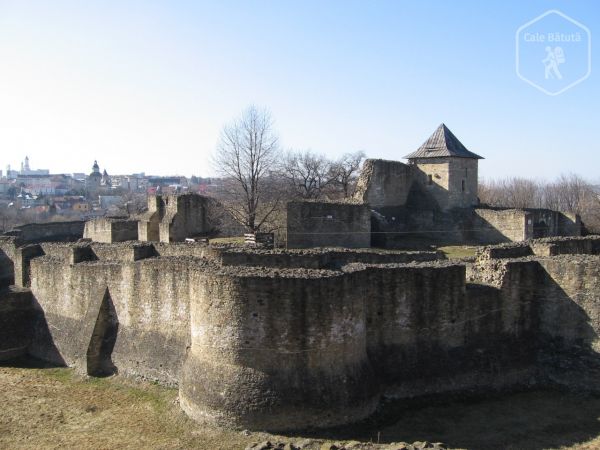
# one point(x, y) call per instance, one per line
point(442, 143)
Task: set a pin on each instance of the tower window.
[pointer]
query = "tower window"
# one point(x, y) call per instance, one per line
point(463, 185)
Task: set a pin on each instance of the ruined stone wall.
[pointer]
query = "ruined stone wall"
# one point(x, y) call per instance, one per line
point(278, 348)
point(181, 249)
point(321, 224)
point(570, 322)
point(569, 312)
point(587, 245)
point(384, 183)
point(173, 218)
point(429, 332)
point(184, 217)
point(100, 230)
point(281, 353)
point(272, 343)
point(104, 229)
point(504, 225)
point(495, 225)
point(564, 290)
point(569, 224)
point(149, 222)
point(22, 259)
point(569, 330)
point(127, 253)
point(52, 231)
point(406, 227)
point(318, 258)
point(15, 322)
point(7, 267)
point(151, 300)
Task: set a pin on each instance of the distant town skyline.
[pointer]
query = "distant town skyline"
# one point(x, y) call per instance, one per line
point(147, 86)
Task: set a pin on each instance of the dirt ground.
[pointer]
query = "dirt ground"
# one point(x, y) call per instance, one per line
point(50, 408)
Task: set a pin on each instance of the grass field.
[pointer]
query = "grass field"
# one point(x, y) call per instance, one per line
point(458, 251)
point(57, 409)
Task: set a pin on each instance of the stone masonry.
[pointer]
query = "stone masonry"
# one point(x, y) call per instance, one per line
point(173, 218)
point(430, 200)
point(282, 339)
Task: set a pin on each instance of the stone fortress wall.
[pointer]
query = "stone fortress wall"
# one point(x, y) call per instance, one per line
point(277, 340)
point(325, 224)
point(425, 202)
point(273, 339)
point(108, 229)
point(432, 199)
point(169, 218)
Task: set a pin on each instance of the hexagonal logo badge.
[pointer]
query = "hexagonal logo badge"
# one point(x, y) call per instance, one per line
point(553, 52)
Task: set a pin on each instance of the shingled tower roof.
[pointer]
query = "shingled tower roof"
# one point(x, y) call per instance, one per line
point(442, 143)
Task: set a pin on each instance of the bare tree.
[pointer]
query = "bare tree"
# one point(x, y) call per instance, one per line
point(512, 193)
point(569, 193)
point(246, 155)
point(345, 172)
point(307, 174)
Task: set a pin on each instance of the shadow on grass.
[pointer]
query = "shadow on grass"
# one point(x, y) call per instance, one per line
point(29, 362)
point(526, 421)
point(532, 420)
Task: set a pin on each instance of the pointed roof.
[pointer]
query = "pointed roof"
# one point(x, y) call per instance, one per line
point(442, 143)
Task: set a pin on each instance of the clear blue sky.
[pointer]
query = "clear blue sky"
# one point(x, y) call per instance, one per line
point(147, 85)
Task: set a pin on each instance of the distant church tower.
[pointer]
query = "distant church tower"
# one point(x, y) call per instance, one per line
point(95, 178)
point(446, 170)
point(26, 165)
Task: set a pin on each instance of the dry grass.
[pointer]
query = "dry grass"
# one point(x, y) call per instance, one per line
point(458, 251)
point(57, 409)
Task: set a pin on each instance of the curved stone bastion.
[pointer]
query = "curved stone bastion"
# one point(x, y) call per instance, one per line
point(283, 340)
point(271, 348)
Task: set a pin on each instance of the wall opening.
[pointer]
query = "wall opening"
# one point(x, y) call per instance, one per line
point(429, 180)
point(102, 342)
point(540, 229)
point(7, 270)
point(462, 186)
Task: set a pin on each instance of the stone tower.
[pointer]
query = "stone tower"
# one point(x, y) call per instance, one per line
point(446, 170)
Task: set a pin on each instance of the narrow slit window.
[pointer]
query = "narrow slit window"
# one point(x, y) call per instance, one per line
point(429, 180)
point(463, 185)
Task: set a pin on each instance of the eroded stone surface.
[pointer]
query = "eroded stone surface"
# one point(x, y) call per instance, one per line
point(316, 339)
